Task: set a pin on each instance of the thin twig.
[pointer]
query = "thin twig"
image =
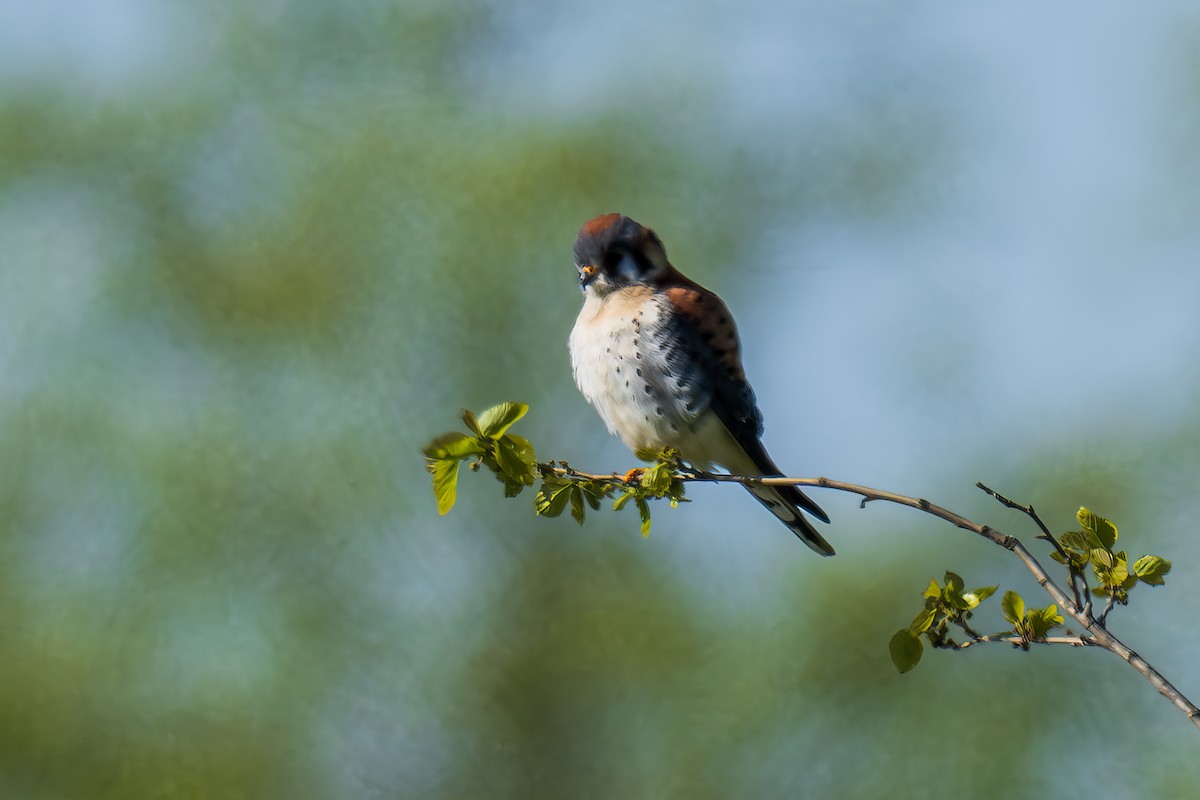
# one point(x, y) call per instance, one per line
point(974, 634)
point(1046, 535)
point(1025, 510)
point(1108, 606)
point(1100, 636)
point(1017, 641)
point(1087, 595)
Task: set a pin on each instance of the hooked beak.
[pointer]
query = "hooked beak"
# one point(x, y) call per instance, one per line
point(587, 274)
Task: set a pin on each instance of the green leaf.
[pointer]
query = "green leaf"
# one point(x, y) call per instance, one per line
point(922, 621)
point(1120, 570)
point(1104, 530)
point(983, 593)
point(445, 482)
point(593, 499)
point(1111, 576)
point(522, 447)
point(1013, 607)
point(498, 419)
point(1072, 540)
point(645, 454)
point(577, 511)
point(1101, 558)
point(657, 479)
point(515, 460)
point(955, 599)
point(934, 590)
point(1042, 620)
point(620, 502)
point(472, 424)
point(551, 501)
point(672, 456)
point(954, 582)
point(905, 650)
point(452, 445)
point(644, 512)
point(1151, 569)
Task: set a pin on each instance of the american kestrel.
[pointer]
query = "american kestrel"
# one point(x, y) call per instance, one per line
point(658, 356)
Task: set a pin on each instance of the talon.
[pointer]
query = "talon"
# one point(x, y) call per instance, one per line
point(634, 475)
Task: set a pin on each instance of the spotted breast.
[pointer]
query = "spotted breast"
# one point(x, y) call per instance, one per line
point(625, 356)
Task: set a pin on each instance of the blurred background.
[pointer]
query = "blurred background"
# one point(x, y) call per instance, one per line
point(252, 256)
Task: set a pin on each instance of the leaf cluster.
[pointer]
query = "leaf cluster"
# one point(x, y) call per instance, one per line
point(1095, 545)
point(1029, 625)
point(945, 605)
point(513, 461)
point(659, 482)
point(510, 457)
point(950, 604)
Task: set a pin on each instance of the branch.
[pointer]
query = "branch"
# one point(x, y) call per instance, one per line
point(1046, 535)
point(1108, 606)
point(1100, 636)
point(1017, 641)
point(511, 458)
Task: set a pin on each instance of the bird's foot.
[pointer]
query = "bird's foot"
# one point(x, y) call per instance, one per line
point(634, 475)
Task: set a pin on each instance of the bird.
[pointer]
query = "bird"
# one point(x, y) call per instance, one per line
point(658, 356)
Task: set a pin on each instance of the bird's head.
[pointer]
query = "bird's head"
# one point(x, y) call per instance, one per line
point(612, 252)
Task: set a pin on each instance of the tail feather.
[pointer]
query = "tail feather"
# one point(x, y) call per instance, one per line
point(779, 504)
point(799, 498)
point(785, 502)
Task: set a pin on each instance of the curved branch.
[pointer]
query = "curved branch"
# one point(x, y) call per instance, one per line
point(1099, 636)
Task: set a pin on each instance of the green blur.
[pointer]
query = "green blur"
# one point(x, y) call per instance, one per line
point(241, 300)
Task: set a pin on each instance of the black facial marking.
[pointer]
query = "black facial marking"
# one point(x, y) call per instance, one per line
point(618, 247)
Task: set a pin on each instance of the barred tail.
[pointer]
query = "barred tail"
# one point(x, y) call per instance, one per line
point(785, 502)
point(778, 501)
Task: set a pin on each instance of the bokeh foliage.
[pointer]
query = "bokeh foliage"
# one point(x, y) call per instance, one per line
point(236, 298)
